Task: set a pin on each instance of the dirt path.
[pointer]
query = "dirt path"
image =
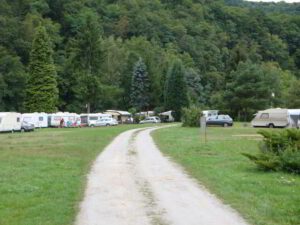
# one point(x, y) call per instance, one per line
point(132, 183)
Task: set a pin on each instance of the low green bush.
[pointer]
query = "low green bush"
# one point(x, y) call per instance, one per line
point(279, 150)
point(191, 116)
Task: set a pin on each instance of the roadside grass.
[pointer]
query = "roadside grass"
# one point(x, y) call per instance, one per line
point(43, 173)
point(263, 198)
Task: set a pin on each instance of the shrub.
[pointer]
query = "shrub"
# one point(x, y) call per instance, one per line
point(191, 116)
point(280, 150)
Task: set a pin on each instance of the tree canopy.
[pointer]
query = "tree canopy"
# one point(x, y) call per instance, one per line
point(96, 43)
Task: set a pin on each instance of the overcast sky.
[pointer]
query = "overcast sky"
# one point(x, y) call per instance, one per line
point(274, 0)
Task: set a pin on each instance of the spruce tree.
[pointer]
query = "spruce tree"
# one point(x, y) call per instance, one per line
point(140, 86)
point(175, 94)
point(41, 90)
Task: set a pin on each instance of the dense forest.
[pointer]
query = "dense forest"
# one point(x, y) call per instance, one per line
point(124, 54)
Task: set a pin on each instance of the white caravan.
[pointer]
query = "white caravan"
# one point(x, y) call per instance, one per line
point(69, 119)
point(10, 121)
point(276, 118)
point(210, 113)
point(89, 120)
point(39, 120)
point(167, 116)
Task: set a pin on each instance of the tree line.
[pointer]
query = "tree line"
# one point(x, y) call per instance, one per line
point(142, 55)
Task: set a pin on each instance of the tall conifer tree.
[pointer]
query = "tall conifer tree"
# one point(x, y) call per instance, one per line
point(140, 86)
point(41, 91)
point(175, 89)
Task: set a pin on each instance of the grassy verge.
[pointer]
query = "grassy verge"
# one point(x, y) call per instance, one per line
point(42, 174)
point(263, 198)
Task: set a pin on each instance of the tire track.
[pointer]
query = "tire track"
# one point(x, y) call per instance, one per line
point(132, 183)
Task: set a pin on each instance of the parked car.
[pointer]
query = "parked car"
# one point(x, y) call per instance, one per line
point(27, 127)
point(220, 120)
point(105, 122)
point(152, 119)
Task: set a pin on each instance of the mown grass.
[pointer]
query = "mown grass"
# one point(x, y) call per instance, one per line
point(263, 198)
point(43, 174)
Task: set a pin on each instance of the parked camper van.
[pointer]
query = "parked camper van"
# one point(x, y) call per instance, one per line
point(272, 118)
point(10, 121)
point(167, 116)
point(69, 119)
point(89, 120)
point(40, 120)
point(210, 113)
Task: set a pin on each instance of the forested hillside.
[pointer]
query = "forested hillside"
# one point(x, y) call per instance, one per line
point(233, 57)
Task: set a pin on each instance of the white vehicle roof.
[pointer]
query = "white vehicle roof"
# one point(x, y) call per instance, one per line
point(123, 113)
point(166, 113)
point(294, 111)
point(64, 114)
point(275, 110)
point(7, 113)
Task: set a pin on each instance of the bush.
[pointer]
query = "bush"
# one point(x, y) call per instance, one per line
point(191, 116)
point(280, 150)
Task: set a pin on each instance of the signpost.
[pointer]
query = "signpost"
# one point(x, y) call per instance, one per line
point(203, 127)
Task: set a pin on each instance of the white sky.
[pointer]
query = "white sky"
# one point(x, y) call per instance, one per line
point(289, 1)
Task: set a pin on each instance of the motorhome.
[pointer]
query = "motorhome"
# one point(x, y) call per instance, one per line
point(276, 118)
point(210, 113)
point(90, 119)
point(39, 120)
point(10, 122)
point(64, 119)
point(167, 116)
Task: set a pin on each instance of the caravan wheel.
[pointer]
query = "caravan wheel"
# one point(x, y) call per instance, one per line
point(271, 125)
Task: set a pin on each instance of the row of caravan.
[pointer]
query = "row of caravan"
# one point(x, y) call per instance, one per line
point(12, 121)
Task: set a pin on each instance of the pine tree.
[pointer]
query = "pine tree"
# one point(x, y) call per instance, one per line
point(140, 86)
point(41, 91)
point(175, 93)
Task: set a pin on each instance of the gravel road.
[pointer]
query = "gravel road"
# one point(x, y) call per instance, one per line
point(132, 183)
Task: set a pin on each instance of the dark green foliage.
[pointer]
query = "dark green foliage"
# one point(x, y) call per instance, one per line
point(191, 116)
point(280, 150)
point(175, 93)
point(140, 86)
point(12, 82)
point(41, 91)
point(96, 44)
point(249, 89)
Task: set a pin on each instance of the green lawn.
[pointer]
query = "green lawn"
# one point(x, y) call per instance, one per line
point(43, 174)
point(263, 198)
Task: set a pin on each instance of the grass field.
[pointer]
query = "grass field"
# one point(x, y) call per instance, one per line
point(263, 198)
point(43, 173)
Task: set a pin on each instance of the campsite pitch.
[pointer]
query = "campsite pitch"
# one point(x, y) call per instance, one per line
point(43, 173)
point(263, 198)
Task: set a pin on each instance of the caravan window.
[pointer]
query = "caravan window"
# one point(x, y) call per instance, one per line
point(264, 116)
point(18, 119)
point(41, 118)
point(93, 118)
